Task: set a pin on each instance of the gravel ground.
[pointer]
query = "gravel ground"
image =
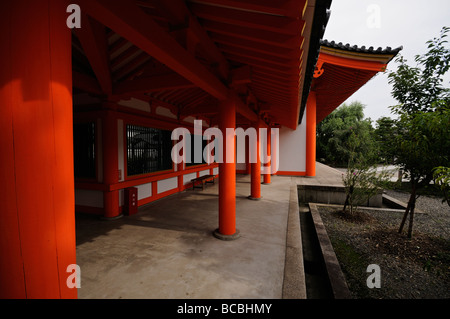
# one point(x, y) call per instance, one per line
point(417, 268)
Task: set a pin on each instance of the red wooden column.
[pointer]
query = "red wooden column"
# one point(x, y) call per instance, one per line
point(37, 215)
point(110, 163)
point(311, 135)
point(227, 173)
point(274, 154)
point(248, 167)
point(268, 169)
point(180, 177)
point(255, 186)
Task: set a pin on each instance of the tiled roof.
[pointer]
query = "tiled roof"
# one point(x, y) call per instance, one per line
point(362, 49)
point(386, 54)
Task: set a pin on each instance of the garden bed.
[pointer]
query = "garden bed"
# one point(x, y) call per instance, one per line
point(410, 268)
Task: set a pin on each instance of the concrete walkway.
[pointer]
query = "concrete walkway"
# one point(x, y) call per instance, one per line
point(325, 175)
point(167, 250)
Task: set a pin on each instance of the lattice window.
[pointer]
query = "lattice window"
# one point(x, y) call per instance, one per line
point(148, 150)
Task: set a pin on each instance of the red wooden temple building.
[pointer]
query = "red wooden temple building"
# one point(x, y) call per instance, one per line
point(87, 113)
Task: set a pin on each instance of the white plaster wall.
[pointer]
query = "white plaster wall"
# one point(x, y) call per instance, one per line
point(144, 190)
point(87, 197)
point(292, 148)
point(167, 184)
point(121, 197)
point(187, 178)
point(203, 173)
point(215, 170)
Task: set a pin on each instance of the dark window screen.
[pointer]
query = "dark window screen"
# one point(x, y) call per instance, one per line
point(148, 150)
point(84, 150)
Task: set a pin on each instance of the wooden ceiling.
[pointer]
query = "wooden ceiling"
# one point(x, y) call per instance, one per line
point(192, 54)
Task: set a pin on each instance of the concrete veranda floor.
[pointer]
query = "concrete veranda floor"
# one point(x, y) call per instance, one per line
point(167, 250)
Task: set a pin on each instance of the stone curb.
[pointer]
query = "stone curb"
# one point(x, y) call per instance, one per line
point(335, 275)
point(294, 274)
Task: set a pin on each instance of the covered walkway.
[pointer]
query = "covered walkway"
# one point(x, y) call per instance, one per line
point(167, 250)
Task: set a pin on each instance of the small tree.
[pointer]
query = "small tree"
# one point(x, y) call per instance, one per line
point(422, 135)
point(361, 183)
point(361, 180)
point(441, 176)
point(422, 145)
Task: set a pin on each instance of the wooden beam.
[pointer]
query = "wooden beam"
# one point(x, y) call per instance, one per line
point(273, 81)
point(242, 75)
point(270, 66)
point(254, 20)
point(275, 75)
point(135, 25)
point(267, 37)
point(124, 56)
point(256, 46)
point(200, 109)
point(176, 95)
point(118, 46)
point(279, 95)
point(152, 84)
point(260, 56)
point(196, 98)
point(244, 109)
point(125, 70)
point(288, 96)
point(288, 8)
point(270, 87)
point(92, 37)
point(209, 47)
point(178, 13)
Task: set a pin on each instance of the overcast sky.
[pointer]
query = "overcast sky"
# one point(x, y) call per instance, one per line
point(383, 23)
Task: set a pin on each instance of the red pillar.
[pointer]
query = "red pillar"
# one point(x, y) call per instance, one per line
point(255, 192)
point(227, 173)
point(110, 164)
point(268, 170)
point(311, 135)
point(37, 217)
point(273, 156)
point(248, 169)
point(180, 177)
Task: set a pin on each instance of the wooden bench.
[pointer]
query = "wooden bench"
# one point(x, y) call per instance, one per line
point(202, 180)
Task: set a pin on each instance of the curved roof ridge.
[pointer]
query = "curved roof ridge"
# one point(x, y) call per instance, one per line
point(355, 48)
